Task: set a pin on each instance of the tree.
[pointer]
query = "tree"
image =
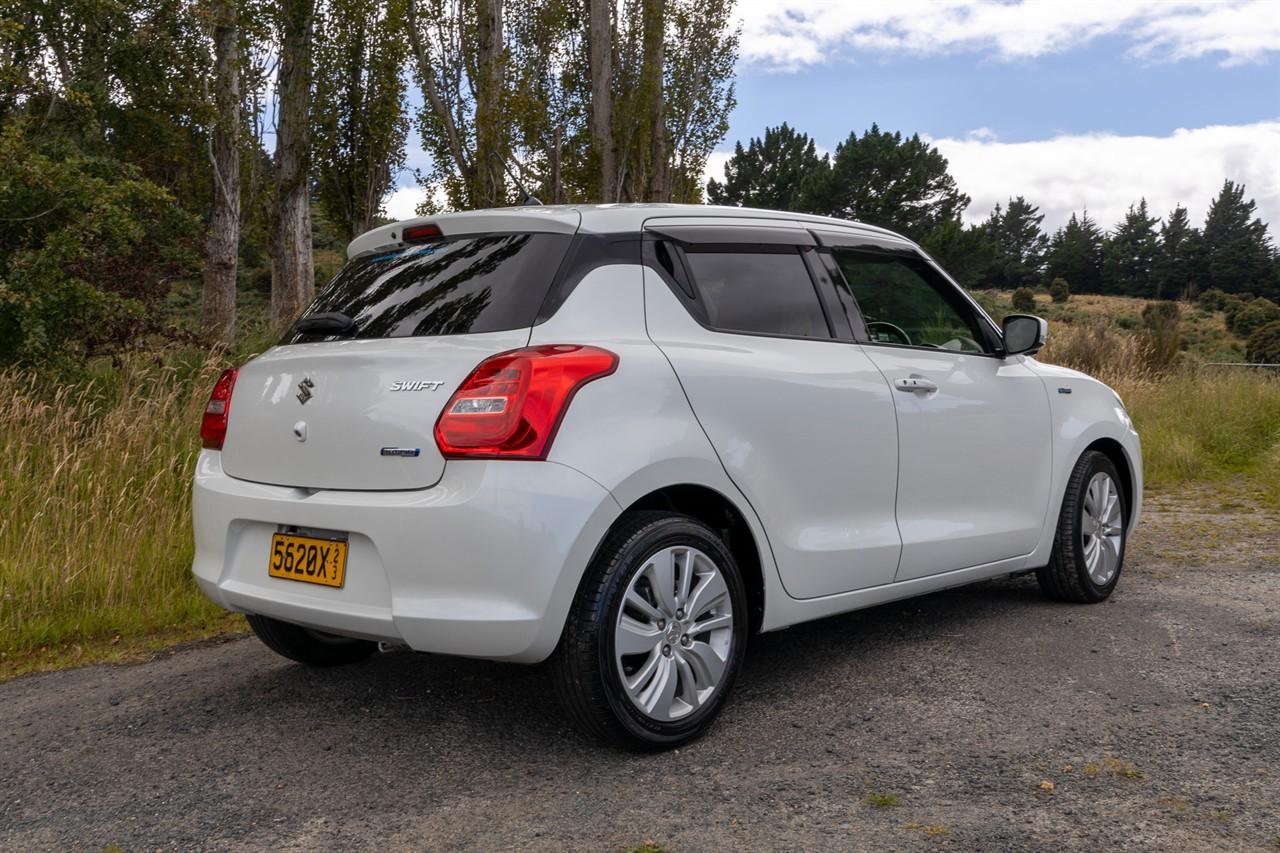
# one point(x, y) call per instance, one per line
point(769, 172)
point(292, 275)
point(1129, 254)
point(359, 117)
point(1264, 344)
point(1238, 254)
point(1075, 254)
point(886, 179)
point(222, 242)
point(600, 36)
point(1019, 245)
point(964, 251)
point(1060, 290)
point(1177, 265)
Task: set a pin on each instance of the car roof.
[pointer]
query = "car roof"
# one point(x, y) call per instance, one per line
point(590, 218)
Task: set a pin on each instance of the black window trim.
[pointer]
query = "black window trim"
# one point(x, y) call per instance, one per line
point(866, 243)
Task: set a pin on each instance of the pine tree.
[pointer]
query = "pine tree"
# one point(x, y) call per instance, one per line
point(1075, 254)
point(1178, 263)
point(964, 251)
point(1129, 254)
point(1238, 255)
point(769, 172)
point(887, 179)
point(1019, 245)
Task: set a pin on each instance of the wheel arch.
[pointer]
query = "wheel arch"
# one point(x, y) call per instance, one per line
point(718, 512)
point(1115, 452)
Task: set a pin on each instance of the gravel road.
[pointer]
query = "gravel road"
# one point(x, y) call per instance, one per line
point(979, 719)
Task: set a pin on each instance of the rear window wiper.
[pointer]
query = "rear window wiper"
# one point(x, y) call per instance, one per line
point(329, 323)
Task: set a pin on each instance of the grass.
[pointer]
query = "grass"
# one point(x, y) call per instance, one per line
point(95, 512)
point(882, 801)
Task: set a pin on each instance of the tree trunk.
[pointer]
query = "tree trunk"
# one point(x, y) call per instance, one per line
point(292, 274)
point(218, 298)
point(655, 188)
point(490, 184)
point(600, 61)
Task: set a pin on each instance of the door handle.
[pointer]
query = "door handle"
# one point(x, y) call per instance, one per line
point(915, 383)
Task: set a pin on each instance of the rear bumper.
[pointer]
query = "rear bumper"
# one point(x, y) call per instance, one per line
point(483, 564)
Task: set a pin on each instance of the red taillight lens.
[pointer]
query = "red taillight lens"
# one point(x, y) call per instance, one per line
point(422, 233)
point(511, 405)
point(213, 427)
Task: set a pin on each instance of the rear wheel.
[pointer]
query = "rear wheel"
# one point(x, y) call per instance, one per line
point(656, 635)
point(1088, 550)
point(314, 648)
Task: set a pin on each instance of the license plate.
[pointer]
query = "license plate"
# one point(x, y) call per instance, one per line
point(302, 558)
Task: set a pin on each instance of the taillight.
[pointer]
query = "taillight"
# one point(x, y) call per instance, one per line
point(421, 233)
point(213, 427)
point(512, 403)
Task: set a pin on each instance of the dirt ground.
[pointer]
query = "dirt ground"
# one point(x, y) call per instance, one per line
point(984, 718)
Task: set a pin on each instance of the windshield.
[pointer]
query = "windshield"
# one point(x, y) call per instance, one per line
point(454, 286)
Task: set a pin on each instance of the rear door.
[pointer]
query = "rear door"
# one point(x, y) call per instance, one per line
point(801, 419)
point(974, 453)
point(357, 411)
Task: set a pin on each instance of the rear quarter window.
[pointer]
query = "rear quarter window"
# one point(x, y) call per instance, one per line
point(766, 293)
point(455, 286)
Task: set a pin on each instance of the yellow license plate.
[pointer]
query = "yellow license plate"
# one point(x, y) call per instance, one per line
point(301, 558)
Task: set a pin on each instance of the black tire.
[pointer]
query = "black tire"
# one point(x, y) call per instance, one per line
point(1067, 578)
point(586, 679)
point(306, 646)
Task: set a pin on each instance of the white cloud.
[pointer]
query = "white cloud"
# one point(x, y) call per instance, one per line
point(1106, 172)
point(403, 201)
point(788, 34)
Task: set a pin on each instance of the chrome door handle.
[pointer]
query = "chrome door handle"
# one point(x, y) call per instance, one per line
point(915, 383)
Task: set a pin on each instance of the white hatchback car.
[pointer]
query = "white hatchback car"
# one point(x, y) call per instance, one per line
point(628, 437)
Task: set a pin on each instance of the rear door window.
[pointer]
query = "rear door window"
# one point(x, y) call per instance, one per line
point(764, 293)
point(455, 286)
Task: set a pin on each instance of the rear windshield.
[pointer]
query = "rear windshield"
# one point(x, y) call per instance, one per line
point(455, 286)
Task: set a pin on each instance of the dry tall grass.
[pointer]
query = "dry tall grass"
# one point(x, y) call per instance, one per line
point(1198, 424)
point(95, 518)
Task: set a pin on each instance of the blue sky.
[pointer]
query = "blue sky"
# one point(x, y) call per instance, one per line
point(1073, 103)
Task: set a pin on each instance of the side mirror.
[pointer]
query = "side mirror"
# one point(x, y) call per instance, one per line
point(1024, 334)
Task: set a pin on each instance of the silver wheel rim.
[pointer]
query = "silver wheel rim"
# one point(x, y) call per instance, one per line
point(674, 633)
point(1102, 529)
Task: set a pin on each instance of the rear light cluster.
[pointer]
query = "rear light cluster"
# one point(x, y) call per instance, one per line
point(213, 427)
point(512, 403)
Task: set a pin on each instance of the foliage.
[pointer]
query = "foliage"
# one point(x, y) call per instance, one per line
point(1214, 299)
point(1019, 243)
point(1024, 300)
point(1161, 333)
point(95, 519)
point(886, 179)
point(1129, 255)
point(1174, 272)
point(88, 251)
point(1245, 317)
point(770, 172)
point(1075, 254)
point(1264, 344)
point(359, 115)
point(1060, 291)
point(964, 251)
point(1238, 255)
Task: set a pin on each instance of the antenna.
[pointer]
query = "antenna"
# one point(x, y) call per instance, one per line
point(526, 197)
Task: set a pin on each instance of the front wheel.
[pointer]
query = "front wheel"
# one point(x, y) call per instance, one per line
point(656, 635)
point(1088, 550)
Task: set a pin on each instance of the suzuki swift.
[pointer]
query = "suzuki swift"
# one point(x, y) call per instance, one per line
point(626, 438)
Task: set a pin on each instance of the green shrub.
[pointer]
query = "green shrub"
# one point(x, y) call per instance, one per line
point(1024, 300)
point(1127, 322)
point(1245, 318)
point(1264, 344)
point(1214, 299)
point(1059, 290)
point(1162, 336)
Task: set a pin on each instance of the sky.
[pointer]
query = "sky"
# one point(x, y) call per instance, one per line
point(1072, 103)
